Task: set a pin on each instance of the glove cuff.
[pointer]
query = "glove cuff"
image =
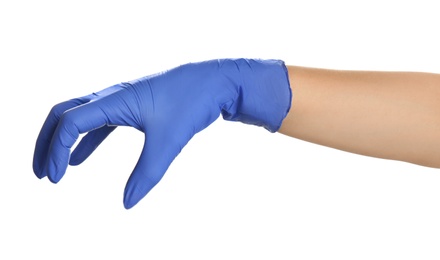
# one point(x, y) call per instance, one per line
point(263, 92)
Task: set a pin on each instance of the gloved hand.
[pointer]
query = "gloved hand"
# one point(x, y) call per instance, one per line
point(170, 108)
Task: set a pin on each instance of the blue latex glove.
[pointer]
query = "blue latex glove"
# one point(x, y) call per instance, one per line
point(170, 108)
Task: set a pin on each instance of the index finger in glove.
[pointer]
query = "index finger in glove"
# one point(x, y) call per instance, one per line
point(45, 136)
point(47, 131)
point(111, 110)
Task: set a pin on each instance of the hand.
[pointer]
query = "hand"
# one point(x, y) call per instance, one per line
point(170, 108)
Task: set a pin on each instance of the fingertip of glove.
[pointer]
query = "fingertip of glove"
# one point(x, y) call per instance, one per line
point(37, 170)
point(130, 200)
point(76, 158)
point(39, 175)
point(129, 203)
point(128, 206)
point(75, 161)
point(54, 178)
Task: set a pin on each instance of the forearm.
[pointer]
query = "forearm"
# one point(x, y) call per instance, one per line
point(392, 115)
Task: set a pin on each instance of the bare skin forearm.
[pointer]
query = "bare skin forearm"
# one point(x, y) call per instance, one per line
point(391, 115)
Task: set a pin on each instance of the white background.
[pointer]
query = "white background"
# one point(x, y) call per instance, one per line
point(235, 191)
